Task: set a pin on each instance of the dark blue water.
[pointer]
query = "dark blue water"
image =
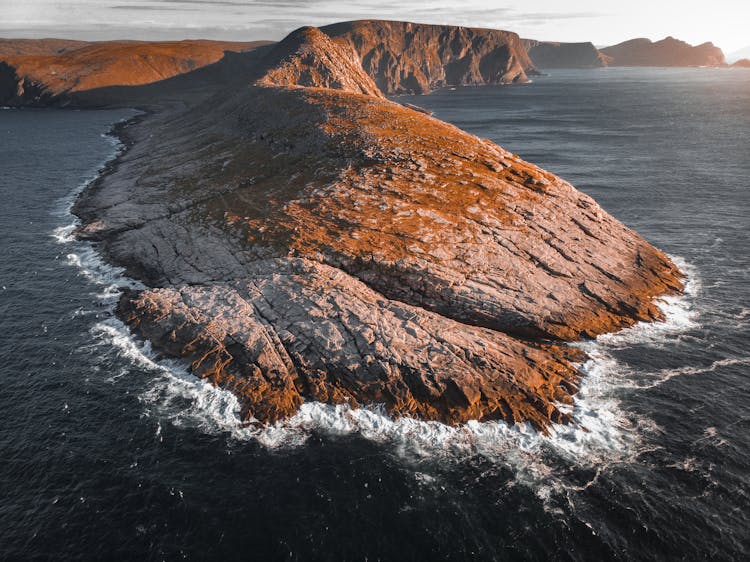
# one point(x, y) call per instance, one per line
point(105, 454)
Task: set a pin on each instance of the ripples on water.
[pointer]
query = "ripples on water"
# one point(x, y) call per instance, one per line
point(113, 452)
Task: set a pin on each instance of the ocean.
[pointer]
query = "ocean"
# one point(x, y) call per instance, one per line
point(108, 452)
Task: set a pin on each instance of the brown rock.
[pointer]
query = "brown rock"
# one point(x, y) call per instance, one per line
point(300, 328)
point(308, 57)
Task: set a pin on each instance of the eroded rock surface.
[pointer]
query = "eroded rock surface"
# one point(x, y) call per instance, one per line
point(299, 329)
point(308, 57)
point(318, 243)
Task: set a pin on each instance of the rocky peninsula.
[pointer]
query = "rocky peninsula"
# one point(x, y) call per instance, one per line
point(306, 238)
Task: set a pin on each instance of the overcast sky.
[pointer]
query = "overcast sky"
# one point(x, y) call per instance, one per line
point(725, 22)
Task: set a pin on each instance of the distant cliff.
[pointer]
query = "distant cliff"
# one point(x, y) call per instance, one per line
point(548, 54)
point(405, 57)
point(50, 77)
point(742, 63)
point(667, 52)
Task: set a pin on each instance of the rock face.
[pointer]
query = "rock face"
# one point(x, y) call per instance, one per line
point(317, 243)
point(667, 52)
point(41, 79)
point(548, 54)
point(742, 63)
point(307, 57)
point(405, 57)
point(298, 329)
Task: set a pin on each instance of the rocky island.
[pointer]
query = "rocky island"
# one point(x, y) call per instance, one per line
point(305, 238)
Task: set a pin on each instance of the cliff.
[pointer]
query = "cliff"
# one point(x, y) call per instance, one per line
point(316, 243)
point(742, 63)
point(405, 57)
point(548, 54)
point(667, 52)
point(43, 79)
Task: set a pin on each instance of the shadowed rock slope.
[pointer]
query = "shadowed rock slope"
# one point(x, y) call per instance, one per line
point(405, 57)
point(42, 79)
point(667, 52)
point(549, 54)
point(318, 243)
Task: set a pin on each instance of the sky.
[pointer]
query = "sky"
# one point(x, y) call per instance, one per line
point(724, 22)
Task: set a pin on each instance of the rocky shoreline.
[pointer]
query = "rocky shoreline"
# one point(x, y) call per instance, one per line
point(305, 238)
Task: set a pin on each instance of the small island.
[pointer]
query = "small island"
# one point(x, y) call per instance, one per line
point(304, 237)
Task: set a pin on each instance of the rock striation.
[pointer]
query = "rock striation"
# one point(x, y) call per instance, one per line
point(549, 54)
point(45, 78)
point(308, 57)
point(305, 239)
point(667, 52)
point(405, 57)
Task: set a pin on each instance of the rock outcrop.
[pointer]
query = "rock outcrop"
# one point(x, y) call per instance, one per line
point(549, 54)
point(742, 63)
point(318, 243)
point(405, 57)
point(51, 78)
point(308, 57)
point(297, 329)
point(667, 52)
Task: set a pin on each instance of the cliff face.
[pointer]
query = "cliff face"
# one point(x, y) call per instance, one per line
point(547, 54)
point(742, 63)
point(667, 52)
point(38, 79)
point(317, 243)
point(406, 57)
